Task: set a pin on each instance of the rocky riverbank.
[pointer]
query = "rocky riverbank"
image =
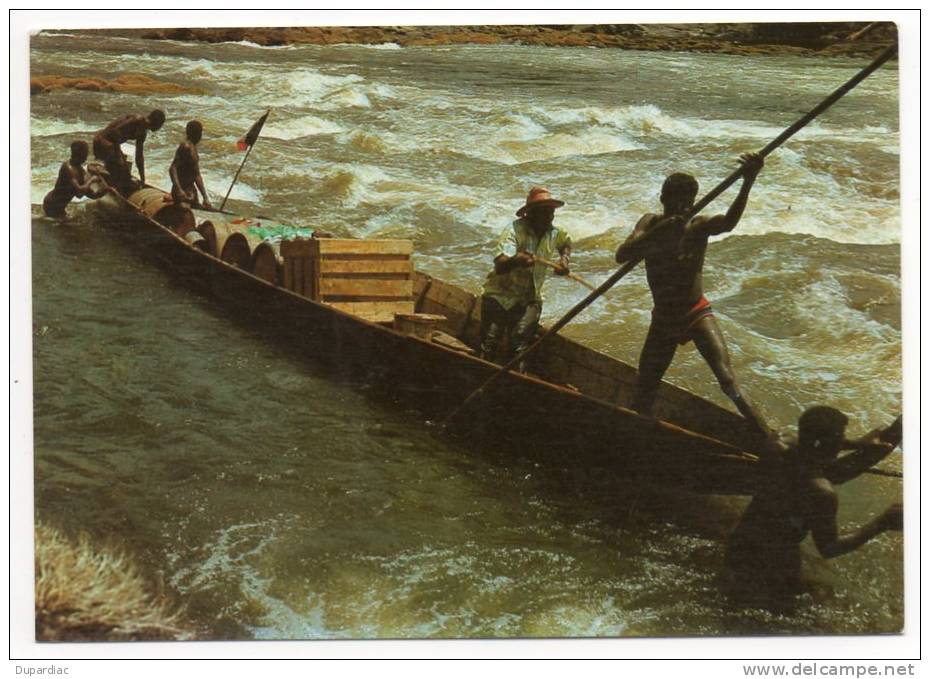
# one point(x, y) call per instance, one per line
point(131, 82)
point(836, 38)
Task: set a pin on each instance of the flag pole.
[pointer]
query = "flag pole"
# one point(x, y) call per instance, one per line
point(236, 178)
point(250, 138)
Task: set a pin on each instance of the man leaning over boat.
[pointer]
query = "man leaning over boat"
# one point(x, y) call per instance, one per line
point(511, 302)
point(107, 142)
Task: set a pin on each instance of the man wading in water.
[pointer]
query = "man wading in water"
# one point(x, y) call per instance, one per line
point(72, 182)
point(512, 299)
point(796, 497)
point(107, 143)
point(674, 254)
point(185, 170)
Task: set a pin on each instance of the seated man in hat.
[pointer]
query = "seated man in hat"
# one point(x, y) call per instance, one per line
point(72, 182)
point(511, 302)
point(795, 497)
point(107, 143)
point(185, 170)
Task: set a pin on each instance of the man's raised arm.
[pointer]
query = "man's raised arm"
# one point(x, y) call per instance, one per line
point(867, 452)
point(712, 226)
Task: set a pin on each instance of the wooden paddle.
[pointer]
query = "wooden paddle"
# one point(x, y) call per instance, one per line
point(704, 202)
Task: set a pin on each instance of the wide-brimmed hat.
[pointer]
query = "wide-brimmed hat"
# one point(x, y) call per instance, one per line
point(539, 195)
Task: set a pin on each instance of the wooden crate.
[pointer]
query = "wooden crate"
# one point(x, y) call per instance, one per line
point(368, 278)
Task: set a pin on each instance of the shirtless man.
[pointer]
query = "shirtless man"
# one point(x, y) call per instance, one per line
point(674, 254)
point(185, 170)
point(72, 182)
point(131, 127)
point(796, 497)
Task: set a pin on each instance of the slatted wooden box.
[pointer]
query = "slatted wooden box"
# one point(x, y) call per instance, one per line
point(368, 278)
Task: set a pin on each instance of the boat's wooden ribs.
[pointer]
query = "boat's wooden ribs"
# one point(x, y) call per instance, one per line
point(449, 301)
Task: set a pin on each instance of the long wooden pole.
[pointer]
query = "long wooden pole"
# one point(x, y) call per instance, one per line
point(575, 277)
point(700, 205)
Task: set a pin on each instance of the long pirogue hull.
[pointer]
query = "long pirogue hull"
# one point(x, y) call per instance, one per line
point(569, 411)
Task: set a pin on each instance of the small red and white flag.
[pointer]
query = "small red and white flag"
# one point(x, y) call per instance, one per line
point(252, 135)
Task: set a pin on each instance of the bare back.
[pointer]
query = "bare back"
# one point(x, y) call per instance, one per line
point(187, 164)
point(132, 127)
point(69, 176)
point(675, 265)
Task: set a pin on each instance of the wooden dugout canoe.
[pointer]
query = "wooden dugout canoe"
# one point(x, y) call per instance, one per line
point(573, 407)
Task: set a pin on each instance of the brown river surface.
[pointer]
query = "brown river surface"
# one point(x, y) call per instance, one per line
point(276, 501)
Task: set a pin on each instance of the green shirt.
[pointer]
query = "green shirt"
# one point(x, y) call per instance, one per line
point(524, 284)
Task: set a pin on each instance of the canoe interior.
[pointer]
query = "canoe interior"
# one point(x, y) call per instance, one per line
point(566, 362)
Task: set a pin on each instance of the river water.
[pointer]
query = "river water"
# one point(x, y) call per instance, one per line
point(275, 501)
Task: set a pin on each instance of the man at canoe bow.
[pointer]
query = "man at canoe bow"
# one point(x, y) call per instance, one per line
point(674, 254)
point(72, 182)
point(796, 497)
point(511, 302)
point(185, 170)
point(132, 127)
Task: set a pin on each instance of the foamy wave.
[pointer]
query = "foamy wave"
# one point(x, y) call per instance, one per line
point(844, 337)
point(354, 184)
point(249, 43)
point(380, 46)
point(819, 203)
point(346, 97)
point(364, 142)
point(235, 555)
point(517, 126)
point(283, 622)
point(50, 127)
point(241, 191)
point(295, 128)
point(587, 143)
point(310, 85)
point(650, 119)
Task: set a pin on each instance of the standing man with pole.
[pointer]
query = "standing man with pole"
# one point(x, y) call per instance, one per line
point(674, 250)
point(631, 264)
